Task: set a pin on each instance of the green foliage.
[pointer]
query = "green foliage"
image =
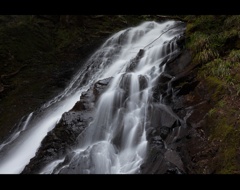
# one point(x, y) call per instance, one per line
point(232, 21)
point(211, 112)
point(238, 89)
point(222, 130)
point(234, 56)
point(202, 22)
point(205, 56)
point(222, 103)
point(214, 41)
point(229, 153)
point(229, 160)
point(216, 88)
point(217, 68)
point(198, 42)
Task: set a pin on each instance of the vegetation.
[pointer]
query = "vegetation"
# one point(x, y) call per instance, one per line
point(214, 41)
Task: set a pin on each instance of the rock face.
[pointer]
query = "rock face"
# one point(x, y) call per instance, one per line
point(59, 141)
point(175, 118)
point(176, 126)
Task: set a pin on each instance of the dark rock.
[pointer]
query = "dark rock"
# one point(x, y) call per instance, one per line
point(157, 142)
point(125, 83)
point(100, 86)
point(163, 78)
point(172, 125)
point(122, 38)
point(174, 158)
point(161, 87)
point(170, 128)
point(158, 91)
point(181, 41)
point(155, 163)
point(143, 83)
point(164, 131)
point(134, 62)
point(173, 170)
point(63, 137)
point(178, 65)
point(160, 115)
point(187, 88)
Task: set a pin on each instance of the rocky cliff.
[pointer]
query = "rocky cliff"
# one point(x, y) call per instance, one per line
point(203, 100)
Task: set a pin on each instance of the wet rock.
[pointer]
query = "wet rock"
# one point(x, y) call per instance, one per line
point(161, 87)
point(135, 61)
point(100, 86)
point(179, 64)
point(161, 115)
point(143, 83)
point(157, 142)
point(155, 163)
point(168, 127)
point(164, 78)
point(164, 131)
point(123, 38)
point(63, 137)
point(174, 125)
point(125, 83)
point(174, 158)
point(173, 170)
point(181, 41)
point(187, 88)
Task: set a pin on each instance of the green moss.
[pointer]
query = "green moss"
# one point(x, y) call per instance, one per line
point(203, 41)
point(221, 130)
point(229, 153)
point(205, 56)
point(203, 22)
point(214, 43)
point(232, 21)
point(222, 103)
point(234, 56)
point(198, 41)
point(211, 112)
point(216, 87)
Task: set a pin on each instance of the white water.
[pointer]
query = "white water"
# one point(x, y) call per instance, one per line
point(117, 114)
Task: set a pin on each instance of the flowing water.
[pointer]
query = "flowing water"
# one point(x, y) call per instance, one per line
point(134, 57)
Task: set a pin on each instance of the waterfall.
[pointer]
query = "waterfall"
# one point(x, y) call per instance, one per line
point(115, 140)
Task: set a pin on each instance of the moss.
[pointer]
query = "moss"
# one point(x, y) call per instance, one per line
point(221, 129)
point(216, 88)
point(214, 42)
point(229, 153)
point(232, 21)
point(234, 56)
point(222, 103)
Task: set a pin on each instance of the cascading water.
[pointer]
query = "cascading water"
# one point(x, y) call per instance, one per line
point(115, 140)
